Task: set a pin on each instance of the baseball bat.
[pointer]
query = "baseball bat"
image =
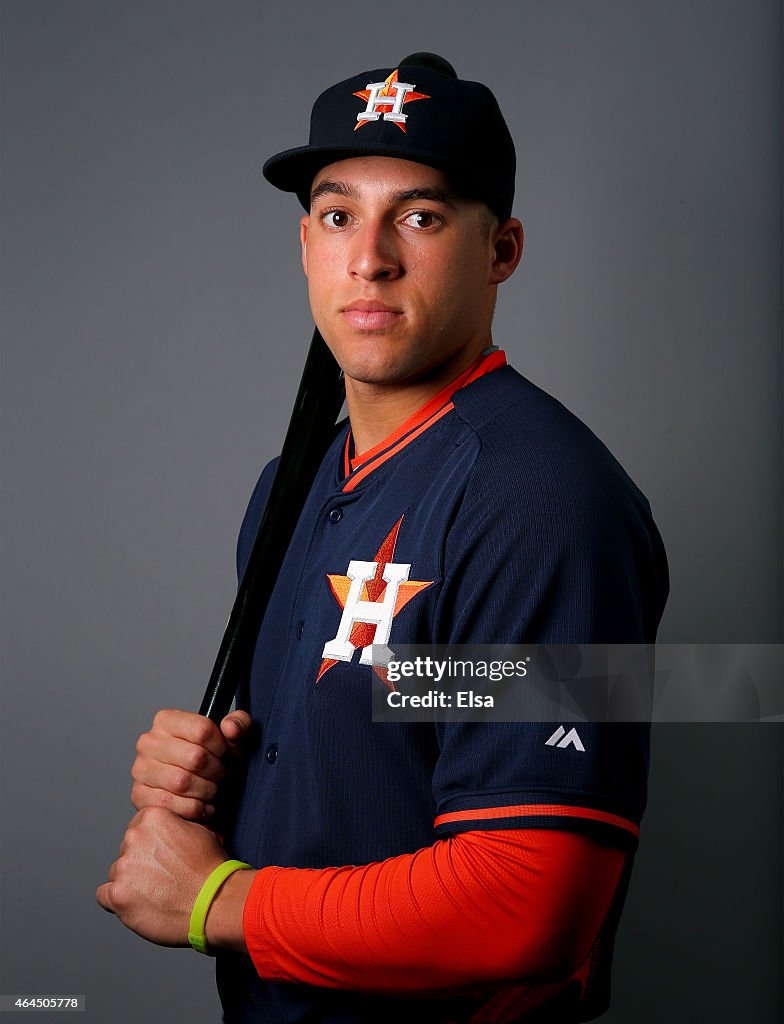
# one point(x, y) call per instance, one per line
point(309, 435)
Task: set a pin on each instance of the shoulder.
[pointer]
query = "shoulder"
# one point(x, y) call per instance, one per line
point(261, 493)
point(534, 450)
point(550, 529)
point(253, 514)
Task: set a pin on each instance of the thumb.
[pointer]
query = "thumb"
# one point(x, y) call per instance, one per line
point(235, 727)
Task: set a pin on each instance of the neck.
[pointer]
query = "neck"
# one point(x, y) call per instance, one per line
point(376, 410)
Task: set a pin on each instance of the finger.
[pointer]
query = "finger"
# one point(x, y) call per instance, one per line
point(187, 725)
point(161, 761)
point(181, 796)
point(174, 781)
point(143, 796)
point(161, 746)
point(103, 895)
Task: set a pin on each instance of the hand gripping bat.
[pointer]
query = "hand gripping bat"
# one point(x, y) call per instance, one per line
point(310, 433)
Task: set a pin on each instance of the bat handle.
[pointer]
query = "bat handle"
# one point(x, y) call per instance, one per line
point(308, 438)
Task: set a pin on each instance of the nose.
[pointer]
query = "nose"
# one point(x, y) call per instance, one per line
point(374, 254)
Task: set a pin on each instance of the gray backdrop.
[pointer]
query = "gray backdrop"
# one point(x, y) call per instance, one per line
point(154, 324)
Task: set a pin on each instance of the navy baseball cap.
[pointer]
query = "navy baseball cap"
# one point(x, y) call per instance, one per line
point(420, 111)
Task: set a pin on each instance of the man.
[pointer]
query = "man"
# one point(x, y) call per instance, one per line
point(451, 872)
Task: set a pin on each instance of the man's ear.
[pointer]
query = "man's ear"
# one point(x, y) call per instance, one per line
point(507, 249)
point(303, 241)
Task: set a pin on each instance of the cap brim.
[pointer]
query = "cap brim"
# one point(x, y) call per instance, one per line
point(293, 170)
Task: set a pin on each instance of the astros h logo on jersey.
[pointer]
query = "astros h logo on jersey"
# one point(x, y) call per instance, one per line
point(370, 594)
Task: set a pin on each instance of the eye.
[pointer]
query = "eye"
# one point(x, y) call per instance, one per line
point(335, 218)
point(422, 219)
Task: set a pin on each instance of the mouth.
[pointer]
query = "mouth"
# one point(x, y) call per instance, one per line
point(371, 315)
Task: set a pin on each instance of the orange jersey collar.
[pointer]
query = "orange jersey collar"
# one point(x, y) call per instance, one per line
point(356, 468)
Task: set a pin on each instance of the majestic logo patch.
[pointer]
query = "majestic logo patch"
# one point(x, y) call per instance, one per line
point(370, 594)
point(387, 99)
point(561, 738)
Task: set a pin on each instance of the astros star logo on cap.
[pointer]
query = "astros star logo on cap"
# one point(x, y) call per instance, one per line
point(460, 132)
point(386, 99)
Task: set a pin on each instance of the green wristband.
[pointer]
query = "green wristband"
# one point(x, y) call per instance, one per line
point(207, 894)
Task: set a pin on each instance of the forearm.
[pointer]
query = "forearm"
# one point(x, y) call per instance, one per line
point(481, 907)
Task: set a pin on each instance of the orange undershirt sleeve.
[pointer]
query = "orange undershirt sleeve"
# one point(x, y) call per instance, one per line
point(478, 908)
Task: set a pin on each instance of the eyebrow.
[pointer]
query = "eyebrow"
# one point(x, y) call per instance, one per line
point(435, 195)
point(329, 187)
point(342, 188)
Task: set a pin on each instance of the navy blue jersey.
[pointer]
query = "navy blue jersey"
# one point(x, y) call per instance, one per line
point(496, 517)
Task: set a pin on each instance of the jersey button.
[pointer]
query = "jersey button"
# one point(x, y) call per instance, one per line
point(336, 515)
point(272, 753)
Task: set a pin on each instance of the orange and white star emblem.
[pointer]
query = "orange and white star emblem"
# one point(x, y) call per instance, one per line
point(370, 594)
point(386, 100)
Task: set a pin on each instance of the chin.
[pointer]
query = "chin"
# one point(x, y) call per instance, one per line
point(373, 359)
point(368, 372)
